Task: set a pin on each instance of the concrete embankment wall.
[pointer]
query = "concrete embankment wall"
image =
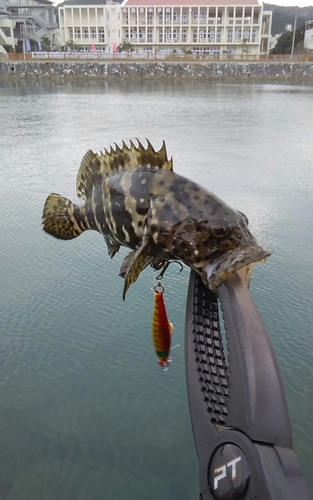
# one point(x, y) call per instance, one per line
point(266, 71)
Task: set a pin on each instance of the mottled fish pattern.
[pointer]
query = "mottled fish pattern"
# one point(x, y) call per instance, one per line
point(134, 199)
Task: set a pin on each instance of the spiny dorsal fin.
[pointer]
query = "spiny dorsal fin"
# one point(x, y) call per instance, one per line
point(121, 158)
point(87, 175)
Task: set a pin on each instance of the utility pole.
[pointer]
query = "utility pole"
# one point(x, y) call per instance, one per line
point(293, 36)
point(24, 39)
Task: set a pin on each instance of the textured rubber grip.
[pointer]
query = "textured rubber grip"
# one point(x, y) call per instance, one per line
point(209, 353)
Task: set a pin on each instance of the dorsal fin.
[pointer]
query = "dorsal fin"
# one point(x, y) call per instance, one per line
point(88, 171)
point(106, 163)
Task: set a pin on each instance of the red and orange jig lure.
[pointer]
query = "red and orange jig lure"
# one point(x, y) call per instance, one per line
point(162, 328)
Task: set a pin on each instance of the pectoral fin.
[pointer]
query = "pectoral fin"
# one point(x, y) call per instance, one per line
point(112, 248)
point(136, 263)
point(156, 263)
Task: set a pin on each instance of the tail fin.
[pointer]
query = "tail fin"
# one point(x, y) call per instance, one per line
point(59, 218)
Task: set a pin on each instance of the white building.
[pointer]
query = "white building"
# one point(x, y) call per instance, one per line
point(26, 21)
point(7, 38)
point(167, 26)
point(308, 35)
point(273, 41)
point(85, 25)
point(234, 27)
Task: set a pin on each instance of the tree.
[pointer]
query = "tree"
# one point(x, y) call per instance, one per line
point(284, 43)
point(45, 43)
point(245, 47)
point(186, 50)
point(126, 47)
point(71, 45)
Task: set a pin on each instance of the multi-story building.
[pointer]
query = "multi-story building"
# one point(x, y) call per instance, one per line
point(7, 26)
point(27, 22)
point(203, 27)
point(91, 25)
point(169, 26)
point(308, 35)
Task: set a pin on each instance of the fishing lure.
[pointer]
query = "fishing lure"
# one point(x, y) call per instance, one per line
point(162, 328)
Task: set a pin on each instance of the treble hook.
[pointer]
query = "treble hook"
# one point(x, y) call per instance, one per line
point(160, 276)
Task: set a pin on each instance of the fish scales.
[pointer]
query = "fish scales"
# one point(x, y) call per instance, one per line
point(134, 199)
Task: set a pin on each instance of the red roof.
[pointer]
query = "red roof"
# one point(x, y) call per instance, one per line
point(187, 3)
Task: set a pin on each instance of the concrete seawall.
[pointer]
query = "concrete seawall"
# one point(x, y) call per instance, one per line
point(266, 71)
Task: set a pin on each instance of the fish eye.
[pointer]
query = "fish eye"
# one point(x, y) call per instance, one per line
point(220, 228)
point(245, 217)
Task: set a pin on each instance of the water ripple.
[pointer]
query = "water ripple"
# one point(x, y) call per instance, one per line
point(86, 410)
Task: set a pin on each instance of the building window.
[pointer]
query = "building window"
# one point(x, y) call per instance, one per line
point(149, 35)
point(253, 37)
point(256, 13)
point(161, 18)
point(202, 16)
point(246, 34)
point(167, 34)
point(237, 34)
point(195, 36)
point(133, 34)
point(161, 36)
point(168, 17)
point(230, 35)
point(202, 35)
point(142, 35)
point(176, 35)
point(206, 50)
point(176, 16)
point(77, 33)
point(149, 18)
point(85, 33)
point(211, 35)
point(218, 35)
point(184, 35)
point(184, 18)
point(93, 33)
point(101, 37)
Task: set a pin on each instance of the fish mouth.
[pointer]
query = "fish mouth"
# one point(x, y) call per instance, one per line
point(241, 260)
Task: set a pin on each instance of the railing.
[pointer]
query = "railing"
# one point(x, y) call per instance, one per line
point(101, 56)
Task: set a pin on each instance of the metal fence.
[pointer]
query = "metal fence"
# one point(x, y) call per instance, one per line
point(101, 56)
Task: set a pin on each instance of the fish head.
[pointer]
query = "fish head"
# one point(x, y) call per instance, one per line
point(218, 246)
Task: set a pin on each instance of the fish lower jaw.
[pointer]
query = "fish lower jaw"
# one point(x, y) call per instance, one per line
point(216, 273)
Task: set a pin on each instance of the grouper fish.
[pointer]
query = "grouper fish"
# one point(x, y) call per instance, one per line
point(134, 199)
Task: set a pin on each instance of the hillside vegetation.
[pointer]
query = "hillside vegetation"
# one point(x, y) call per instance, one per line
point(286, 15)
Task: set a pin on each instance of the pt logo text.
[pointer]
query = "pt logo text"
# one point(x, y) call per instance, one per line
point(222, 471)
